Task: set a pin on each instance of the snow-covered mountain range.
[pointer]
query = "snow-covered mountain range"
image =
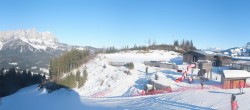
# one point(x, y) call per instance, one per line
point(36, 40)
point(234, 52)
point(28, 49)
point(238, 51)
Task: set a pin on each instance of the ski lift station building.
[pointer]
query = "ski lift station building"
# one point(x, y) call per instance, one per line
point(195, 55)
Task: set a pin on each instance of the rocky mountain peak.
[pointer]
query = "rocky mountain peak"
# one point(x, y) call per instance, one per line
point(39, 40)
point(29, 49)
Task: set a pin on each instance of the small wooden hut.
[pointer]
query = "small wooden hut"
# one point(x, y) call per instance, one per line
point(230, 78)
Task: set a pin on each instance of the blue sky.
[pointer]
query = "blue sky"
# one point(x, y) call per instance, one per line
point(103, 23)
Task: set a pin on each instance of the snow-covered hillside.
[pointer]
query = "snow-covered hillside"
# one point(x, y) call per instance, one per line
point(106, 80)
point(109, 87)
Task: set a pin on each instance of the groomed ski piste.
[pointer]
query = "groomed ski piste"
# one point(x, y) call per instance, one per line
point(111, 88)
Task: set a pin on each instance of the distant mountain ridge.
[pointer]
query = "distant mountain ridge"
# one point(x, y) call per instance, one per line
point(38, 40)
point(30, 49)
point(237, 51)
point(247, 46)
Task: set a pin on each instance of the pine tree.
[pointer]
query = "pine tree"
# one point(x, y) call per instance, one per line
point(67, 62)
point(44, 78)
point(29, 77)
point(50, 70)
point(187, 45)
point(13, 80)
point(176, 43)
point(85, 76)
point(1, 79)
point(183, 44)
point(78, 77)
point(191, 45)
point(135, 47)
point(1, 76)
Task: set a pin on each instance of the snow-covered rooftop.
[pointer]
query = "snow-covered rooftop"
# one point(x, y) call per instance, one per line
point(236, 74)
point(199, 52)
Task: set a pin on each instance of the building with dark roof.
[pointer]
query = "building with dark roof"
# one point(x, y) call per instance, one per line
point(194, 56)
point(217, 59)
point(220, 60)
